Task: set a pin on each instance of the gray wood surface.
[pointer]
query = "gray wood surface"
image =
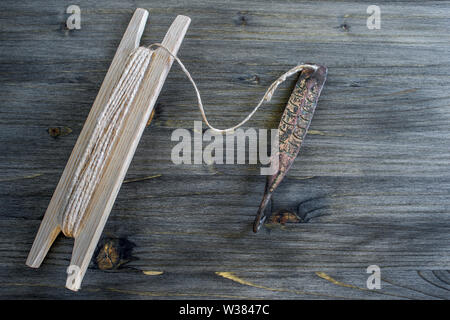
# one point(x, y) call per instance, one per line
point(372, 178)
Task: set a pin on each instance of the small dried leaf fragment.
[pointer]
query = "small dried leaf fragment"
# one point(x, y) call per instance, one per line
point(152, 273)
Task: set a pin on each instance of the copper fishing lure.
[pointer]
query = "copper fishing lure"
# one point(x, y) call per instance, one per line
point(292, 129)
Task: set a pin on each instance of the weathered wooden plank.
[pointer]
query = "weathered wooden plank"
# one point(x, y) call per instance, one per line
point(372, 177)
point(135, 284)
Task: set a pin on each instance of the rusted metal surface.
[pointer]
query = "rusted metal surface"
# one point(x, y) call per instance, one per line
point(292, 129)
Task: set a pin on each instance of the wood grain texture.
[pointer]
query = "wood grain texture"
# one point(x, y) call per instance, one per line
point(372, 179)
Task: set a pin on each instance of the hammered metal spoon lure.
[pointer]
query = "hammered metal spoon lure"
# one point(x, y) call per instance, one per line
point(292, 129)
